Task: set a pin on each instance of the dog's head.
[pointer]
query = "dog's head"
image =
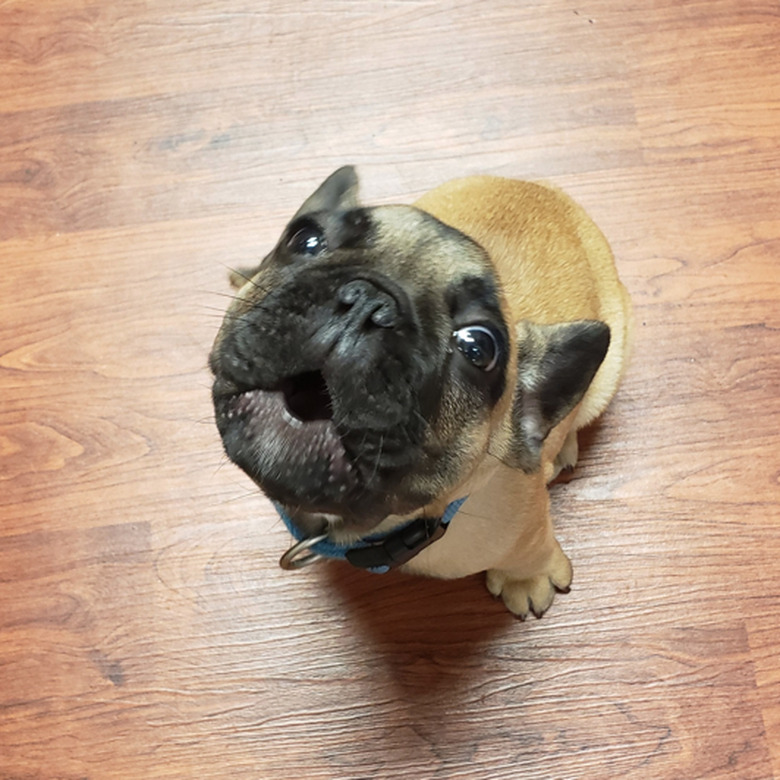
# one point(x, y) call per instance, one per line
point(367, 365)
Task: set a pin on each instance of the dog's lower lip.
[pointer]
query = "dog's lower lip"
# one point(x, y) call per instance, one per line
point(299, 448)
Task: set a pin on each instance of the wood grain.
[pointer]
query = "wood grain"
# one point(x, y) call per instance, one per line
point(145, 628)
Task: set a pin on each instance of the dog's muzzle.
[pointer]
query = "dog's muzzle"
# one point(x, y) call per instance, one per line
point(320, 392)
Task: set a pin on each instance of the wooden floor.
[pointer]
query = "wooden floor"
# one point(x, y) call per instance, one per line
point(145, 628)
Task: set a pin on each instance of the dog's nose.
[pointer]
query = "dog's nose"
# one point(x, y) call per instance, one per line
point(369, 303)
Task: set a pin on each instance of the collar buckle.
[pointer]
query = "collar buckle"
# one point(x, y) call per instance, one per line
point(398, 547)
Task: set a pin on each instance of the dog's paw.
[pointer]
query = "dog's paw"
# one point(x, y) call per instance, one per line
point(533, 595)
point(566, 459)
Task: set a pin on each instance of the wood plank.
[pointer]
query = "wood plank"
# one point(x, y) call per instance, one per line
point(145, 628)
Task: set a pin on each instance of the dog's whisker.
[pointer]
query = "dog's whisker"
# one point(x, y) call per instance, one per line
point(248, 279)
point(229, 296)
point(219, 312)
point(241, 273)
point(378, 460)
point(428, 428)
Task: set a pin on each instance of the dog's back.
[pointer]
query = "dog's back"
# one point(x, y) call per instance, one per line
point(553, 262)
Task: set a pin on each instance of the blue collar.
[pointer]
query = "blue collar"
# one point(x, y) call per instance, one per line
point(377, 553)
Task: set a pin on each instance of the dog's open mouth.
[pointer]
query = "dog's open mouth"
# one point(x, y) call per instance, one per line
point(306, 398)
point(287, 440)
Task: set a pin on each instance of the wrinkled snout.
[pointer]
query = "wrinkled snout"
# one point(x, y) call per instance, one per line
point(348, 321)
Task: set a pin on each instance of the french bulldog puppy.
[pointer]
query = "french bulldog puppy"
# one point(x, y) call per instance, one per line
point(383, 368)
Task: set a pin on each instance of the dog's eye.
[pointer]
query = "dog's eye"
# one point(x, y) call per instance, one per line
point(308, 240)
point(479, 345)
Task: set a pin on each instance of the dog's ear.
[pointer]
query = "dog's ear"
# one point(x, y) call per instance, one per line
point(338, 192)
point(556, 364)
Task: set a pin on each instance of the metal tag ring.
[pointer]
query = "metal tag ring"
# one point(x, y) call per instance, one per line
point(298, 557)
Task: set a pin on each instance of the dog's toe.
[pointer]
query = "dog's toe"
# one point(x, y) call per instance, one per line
point(532, 595)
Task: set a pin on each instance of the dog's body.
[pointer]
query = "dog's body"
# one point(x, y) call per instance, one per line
point(381, 363)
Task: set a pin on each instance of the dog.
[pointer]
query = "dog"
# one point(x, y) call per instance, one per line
point(390, 373)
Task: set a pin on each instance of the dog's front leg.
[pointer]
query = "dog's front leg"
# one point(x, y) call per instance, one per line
point(528, 579)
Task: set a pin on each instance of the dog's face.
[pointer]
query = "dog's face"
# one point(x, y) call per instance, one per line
point(367, 366)
point(358, 369)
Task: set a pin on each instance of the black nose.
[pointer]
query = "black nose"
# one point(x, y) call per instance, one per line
point(369, 304)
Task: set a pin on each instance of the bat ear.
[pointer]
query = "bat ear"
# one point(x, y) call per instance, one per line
point(339, 192)
point(556, 364)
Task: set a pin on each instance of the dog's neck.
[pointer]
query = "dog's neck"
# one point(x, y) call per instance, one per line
point(377, 553)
